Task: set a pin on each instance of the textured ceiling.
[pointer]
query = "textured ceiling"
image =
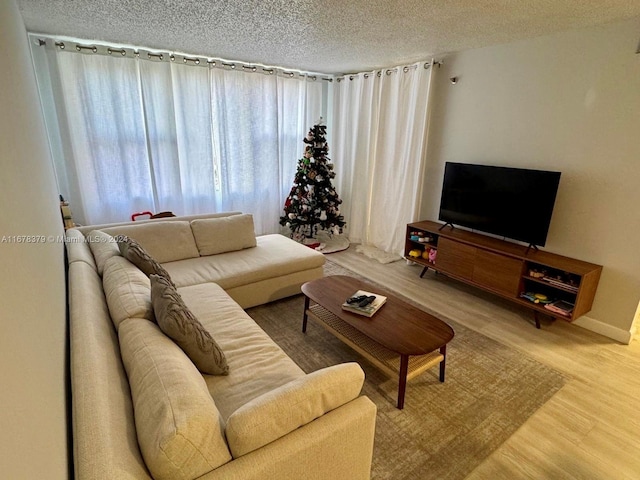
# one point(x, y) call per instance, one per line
point(331, 36)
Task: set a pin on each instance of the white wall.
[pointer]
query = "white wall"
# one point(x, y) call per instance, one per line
point(33, 442)
point(568, 102)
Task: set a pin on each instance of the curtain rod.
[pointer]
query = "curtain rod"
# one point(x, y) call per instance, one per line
point(123, 50)
point(387, 71)
point(196, 60)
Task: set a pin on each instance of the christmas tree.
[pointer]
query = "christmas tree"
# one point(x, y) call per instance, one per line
point(313, 203)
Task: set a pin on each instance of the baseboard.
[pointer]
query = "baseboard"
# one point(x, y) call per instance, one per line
point(609, 331)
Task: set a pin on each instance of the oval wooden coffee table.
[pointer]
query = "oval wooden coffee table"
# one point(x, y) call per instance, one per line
point(399, 338)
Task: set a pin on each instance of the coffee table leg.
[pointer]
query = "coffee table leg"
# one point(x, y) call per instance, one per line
point(304, 315)
point(443, 352)
point(402, 381)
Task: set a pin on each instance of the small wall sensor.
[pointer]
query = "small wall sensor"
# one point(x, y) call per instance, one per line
point(453, 80)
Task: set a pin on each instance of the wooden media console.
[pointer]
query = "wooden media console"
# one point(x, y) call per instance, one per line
point(547, 283)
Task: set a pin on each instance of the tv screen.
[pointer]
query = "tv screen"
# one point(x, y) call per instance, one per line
point(511, 202)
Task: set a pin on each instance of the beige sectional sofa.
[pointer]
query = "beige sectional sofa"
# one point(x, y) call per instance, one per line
point(141, 409)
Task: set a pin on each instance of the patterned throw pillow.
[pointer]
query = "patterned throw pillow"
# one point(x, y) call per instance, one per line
point(179, 324)
point(133, 251)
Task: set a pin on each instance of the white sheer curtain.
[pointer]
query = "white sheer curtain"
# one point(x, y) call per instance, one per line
point(130, 134)
point(249, 112)
point(379, 132)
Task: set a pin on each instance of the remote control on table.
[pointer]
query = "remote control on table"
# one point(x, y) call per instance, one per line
point(357, 299)
point(366, 301)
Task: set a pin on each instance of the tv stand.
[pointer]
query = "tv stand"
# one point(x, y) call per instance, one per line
point(448, 223)
point(548, 284)
point(531, 246)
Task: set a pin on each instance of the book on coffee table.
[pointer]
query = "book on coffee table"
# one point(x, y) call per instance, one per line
point(354, 302)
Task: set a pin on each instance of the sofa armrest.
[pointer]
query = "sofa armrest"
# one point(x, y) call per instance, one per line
point(336, 446)
point(280, 411)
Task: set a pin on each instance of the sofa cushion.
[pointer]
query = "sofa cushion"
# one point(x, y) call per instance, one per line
point(103, 246)
point(127, 290)
point(282, 410)
point(182, 218)
point(256, 363)
point(133, 251)
point(274, 256)
point(179, 430)
point(166, 241)
point(178, 323)
point(102, 414)
point(226, 234)
point(78, 249)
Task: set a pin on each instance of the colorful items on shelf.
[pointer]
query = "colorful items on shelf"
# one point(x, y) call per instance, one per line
point(561, 307)
point(428, 254)
point(556, 278)
point(536, 297)
point(536, 273)
point(563, 281)
point(420, 237)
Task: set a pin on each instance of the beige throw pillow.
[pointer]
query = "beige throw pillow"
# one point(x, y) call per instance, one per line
point(165, 240)
point(133, 251)
point(103, 246)
point(226, 234)
point(178, 323)
point(127, 290)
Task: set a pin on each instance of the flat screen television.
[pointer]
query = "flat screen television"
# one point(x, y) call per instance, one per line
point(516, 203)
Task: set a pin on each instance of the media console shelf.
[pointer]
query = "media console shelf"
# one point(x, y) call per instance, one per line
point(549, 284)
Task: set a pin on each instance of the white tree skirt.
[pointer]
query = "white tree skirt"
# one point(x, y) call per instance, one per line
point(325, 243)
point(330, 243)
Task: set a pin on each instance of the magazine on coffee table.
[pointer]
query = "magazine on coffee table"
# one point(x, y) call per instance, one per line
point(364, 303)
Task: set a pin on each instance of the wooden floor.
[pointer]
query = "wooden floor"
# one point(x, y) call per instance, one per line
point(590, 429)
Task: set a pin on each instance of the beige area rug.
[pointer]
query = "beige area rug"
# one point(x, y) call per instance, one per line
point(446, 429)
